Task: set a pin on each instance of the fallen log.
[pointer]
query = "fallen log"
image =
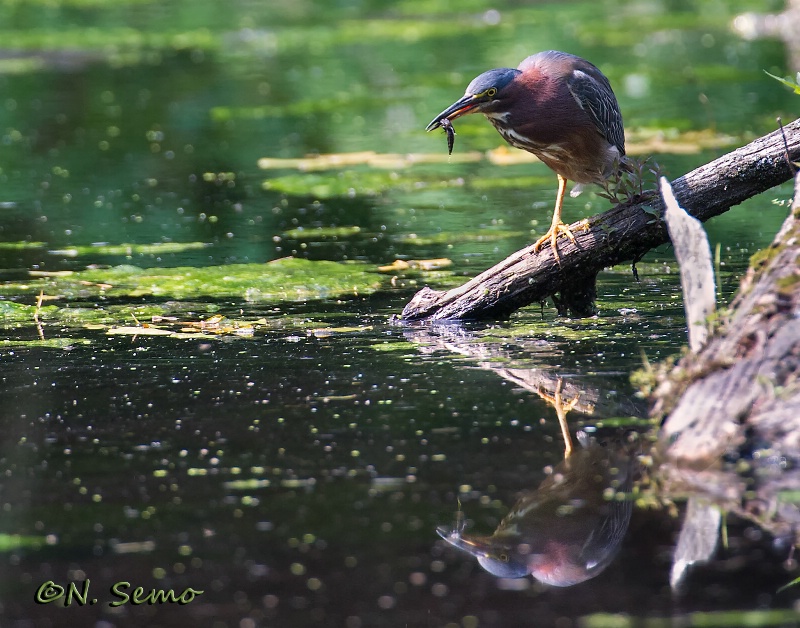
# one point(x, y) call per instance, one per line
point(622, 234)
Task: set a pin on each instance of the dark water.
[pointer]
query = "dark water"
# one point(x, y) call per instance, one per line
point(299, 480)
point(296, 476)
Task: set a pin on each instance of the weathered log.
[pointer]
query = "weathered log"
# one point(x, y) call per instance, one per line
point(743, 387)
point(738, 399)
point(622, 234)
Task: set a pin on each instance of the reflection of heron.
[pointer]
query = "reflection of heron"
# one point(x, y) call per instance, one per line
point(562, 408)
point(566, 531)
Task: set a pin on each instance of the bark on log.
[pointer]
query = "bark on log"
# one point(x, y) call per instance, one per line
point(622, 234)
point(743, 388)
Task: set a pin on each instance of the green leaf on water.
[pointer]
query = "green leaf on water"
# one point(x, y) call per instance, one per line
point(788, 585)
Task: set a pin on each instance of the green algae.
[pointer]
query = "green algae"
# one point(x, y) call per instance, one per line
point(13, 246)
point(15, 315)
point(107, 41)
point(45, 343)
point(287, 279)
point(326, 186)
point(451, 237)
point(12, 542)
point(391, 347)
point(129, 249)
point(11, 312)
point(709, 619)
point(323, 233)
point(284, 280)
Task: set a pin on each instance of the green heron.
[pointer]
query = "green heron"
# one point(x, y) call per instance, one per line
point(559, 107)
point(566, 531)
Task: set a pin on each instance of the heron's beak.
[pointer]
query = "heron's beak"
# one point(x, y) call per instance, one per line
point(475, 545)
point(464, 105)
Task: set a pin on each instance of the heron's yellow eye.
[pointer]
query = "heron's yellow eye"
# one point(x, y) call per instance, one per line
point(491, 92)
point(503, 557)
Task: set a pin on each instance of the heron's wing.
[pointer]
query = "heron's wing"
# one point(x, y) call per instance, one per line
point(592, 91)
point(605, 540)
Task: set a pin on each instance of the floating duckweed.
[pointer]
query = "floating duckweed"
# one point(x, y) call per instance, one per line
point(244, 485)
point(297, 569)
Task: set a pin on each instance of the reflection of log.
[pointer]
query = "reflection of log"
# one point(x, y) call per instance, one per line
point(745, 384)
point(621, 234)
point(764, 498)
point(587, 393)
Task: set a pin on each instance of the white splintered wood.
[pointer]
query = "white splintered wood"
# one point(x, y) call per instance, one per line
point(697, 541)
point(697, 272)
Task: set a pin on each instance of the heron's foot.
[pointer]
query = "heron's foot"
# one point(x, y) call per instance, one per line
point(562, 408)
point(552, 236)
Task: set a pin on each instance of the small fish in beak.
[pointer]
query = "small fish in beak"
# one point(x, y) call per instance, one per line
point(451, 134)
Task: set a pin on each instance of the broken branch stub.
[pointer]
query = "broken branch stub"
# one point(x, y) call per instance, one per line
point(693, 253)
